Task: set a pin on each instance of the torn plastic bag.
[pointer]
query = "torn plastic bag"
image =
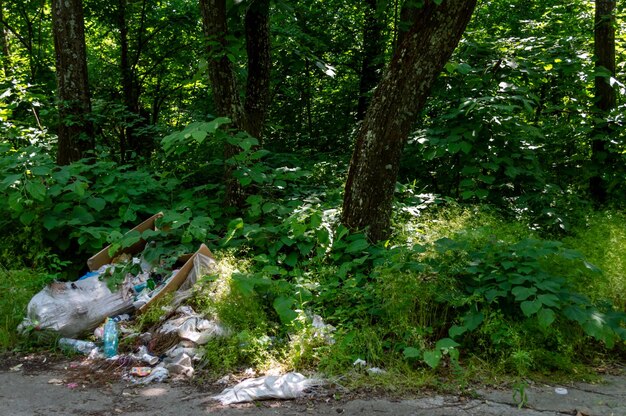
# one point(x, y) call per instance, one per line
point(71, 308)
point(193, 326)
point(202, 265)
point(288, 386)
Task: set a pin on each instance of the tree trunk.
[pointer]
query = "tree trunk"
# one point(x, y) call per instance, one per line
point(373, 61)
point(419, 58)
point(604, 48)
point(257, 27)
point(250, 118)
point(224, 85)
point(75, 130)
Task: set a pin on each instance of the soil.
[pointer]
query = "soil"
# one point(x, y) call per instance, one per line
point(49, 384)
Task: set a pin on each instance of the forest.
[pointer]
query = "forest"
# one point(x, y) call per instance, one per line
point(442, 181)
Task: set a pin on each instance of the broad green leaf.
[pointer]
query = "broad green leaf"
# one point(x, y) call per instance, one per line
point(432, 358)
point(40, 170)
point(446, 343)
point(27, 217)
point(472, 320)
point(282, 306)
point(36, 189)
point(545, 316)
point(9, 180)
point(523, 293)
point(412, 352)
point(357, 245)
point(530, 307)
point(199, 135)
point(456, 330)
point(96, 203)
point(549, 300)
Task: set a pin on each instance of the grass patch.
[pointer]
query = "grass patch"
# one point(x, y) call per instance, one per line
point(17, 288)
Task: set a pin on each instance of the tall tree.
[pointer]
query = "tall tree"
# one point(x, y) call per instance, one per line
point(604, 49)
point(434, 32)
point(249, 118)
point(257, 28)
point(373, 61)
point(74, 131)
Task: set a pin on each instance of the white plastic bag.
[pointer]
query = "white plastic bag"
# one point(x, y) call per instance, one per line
point(287, 386)
point(71, 308)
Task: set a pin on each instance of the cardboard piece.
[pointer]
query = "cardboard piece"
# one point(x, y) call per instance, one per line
point(102, 257)
point(180, 277)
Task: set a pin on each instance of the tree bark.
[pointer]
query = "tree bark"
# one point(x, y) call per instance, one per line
point(224, 86)
point(257, 28)
point(75, 136)
point(604, 48)
point(251, 117)
point(419, 58)
point(373, 61)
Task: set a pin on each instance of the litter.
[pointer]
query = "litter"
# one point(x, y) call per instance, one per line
point(359, 362)
point(288, 386)
point(560, 390)
point(77, 345)
point(157, 375)
point(71, 308)
point(193, 327)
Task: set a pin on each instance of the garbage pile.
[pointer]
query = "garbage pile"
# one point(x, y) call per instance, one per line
point(101, 304)
point(117, 287)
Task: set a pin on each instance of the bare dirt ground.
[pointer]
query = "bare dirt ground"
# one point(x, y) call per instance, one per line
point(49, 385)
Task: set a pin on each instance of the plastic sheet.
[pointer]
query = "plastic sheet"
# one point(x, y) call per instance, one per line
point(287, 386)
point(193, 327)
point(202, 265)
point(71, 308)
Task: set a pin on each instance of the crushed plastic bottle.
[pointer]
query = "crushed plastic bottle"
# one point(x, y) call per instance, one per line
point(77, 345)
point(110, 338)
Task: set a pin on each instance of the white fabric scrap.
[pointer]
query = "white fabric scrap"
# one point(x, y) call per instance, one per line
point(288, 386)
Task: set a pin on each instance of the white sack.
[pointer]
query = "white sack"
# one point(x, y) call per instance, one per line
point(288, 386)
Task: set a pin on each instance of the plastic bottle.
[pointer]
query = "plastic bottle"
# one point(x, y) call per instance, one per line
point(77, 345)
point(110, 338)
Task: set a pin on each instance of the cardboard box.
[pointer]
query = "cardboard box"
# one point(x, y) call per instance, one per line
point(102, 257)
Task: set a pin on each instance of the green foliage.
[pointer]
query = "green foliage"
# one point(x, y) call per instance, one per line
point(517, 278)
point(17, 286)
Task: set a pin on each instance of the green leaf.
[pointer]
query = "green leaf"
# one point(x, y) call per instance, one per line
point(282, 306)
point(96, 203)
point(412, 352)
point(199, 135)
point(549, 300)
point(472, 320)
point(9, 180)
point(523, 293)
point(456, 330)
point(462, 68)
point(36, 189)
point(40, 170)
point(80, 216)
point(27, 217)
point(530, 307)
point(575, 313)
point(546, 317)
point(446, 343)
point(357, 245)
point(291, 259)
point(432, 358)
